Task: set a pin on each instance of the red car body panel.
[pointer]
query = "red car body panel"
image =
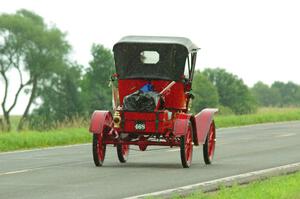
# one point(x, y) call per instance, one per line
point(99, 121)
point(175, 98)
point(202, 122)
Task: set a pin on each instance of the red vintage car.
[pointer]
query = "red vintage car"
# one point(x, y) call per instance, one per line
point(152, 93)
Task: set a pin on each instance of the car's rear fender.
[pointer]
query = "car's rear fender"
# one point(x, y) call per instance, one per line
point(201, 123)
point(99, 121)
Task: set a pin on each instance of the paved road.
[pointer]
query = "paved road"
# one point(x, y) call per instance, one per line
point(70, 173)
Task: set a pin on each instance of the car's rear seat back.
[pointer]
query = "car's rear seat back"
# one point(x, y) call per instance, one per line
point(175, 99)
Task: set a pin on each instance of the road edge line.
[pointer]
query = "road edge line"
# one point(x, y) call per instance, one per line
point(213, 185)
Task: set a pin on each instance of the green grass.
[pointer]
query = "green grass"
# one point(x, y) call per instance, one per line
point(35, 139)
point(281, 187)
point(264, 115)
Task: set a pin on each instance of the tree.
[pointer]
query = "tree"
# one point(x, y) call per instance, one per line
point(265, 95)
point(60, 96)
point(31, 47)
point(13, 31)
point(233, 93)
point(206, 94)
point(95, 91)
point(46, 54)
point(289, 93)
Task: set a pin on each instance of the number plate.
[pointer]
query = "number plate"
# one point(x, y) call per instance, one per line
point(140, 125)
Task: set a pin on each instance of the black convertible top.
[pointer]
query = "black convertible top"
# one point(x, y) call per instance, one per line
point(173, 52)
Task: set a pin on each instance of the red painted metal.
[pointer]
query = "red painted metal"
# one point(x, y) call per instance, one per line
point(211, 141)
point(155, 122)
point(166, 89)
point(125, 150)
point(180, 127)
point(100, 147)
point(99, 121)
point(177, 91)
point(142, 143)
point(183, 116)
point(150, 116)
point(189, 145)
point(181, 123)
point(202, 122)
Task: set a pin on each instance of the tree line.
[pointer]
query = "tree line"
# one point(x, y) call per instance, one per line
point(219, 88)
point(59, 88)
point(278, 94)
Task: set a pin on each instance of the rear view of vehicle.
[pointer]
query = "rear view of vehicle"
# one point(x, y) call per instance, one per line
point(151, 98)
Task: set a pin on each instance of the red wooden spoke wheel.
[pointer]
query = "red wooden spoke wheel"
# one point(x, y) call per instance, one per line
point(186, 147)
point(123, 151)
point(209, 145)
point(99, 149)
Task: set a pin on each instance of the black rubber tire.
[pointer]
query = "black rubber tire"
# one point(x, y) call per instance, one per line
point(122, 158)
point(98, 161)
point(207, 158)
point(186, 163)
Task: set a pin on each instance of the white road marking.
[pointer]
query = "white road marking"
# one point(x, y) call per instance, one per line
point(285, 135)
point(174, 150)
point(15, 172)
point(20, 171)
point(295, 166)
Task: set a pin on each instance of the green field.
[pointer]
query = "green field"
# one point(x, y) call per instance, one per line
point(77, 132)
point(281, 187)
point(263, 115)
point(35, 139)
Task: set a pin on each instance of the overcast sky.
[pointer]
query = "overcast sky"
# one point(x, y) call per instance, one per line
point(256, 40)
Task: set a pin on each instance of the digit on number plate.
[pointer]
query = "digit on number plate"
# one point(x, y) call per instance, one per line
point(139, 126)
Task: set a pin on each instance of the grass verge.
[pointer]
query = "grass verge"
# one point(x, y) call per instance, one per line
point(281, 187)
point(264, 115)
point(34, 139)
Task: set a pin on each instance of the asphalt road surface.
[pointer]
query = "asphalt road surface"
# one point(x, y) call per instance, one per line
point(69, 172)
